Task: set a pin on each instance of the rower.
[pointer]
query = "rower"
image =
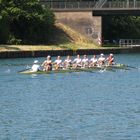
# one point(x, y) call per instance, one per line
point(110, 59)
point(77, 62)
point(35, 67)
point(85, 61)
point(67, 62)
point(101, 59)
point(58, 63)
point(47, 64)
point(93, 61)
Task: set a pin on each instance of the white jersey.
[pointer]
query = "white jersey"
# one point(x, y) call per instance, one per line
point(58, 62)
point(35, 67)
point(101, 59)
point(68, 60)
point(77, 60)
point(46, 62)
point(85, 60)
point(93, 60)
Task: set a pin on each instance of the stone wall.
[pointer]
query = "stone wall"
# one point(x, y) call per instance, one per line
point(23, 54)
point(83, 22)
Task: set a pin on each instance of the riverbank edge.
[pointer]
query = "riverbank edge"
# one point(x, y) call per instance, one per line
point(65, 52)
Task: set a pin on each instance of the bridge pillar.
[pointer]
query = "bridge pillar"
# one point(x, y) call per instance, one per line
point(83, 22)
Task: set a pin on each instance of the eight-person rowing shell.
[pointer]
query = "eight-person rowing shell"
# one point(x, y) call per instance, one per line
point(48, 65)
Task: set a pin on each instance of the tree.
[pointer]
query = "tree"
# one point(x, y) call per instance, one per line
point(116, 27)
point(29, 21)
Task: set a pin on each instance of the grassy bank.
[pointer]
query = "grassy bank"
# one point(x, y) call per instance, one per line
point(64, 38)
point(72, 46)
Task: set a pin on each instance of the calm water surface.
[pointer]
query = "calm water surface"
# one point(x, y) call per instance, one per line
point(102, 105)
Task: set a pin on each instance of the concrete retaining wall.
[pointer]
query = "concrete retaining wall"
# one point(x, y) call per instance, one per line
point(24, 54)
point(82, 22)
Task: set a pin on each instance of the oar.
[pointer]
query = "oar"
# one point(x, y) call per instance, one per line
point(132, 67)
point(24, 70)
point(106, 68)
point(85, 70)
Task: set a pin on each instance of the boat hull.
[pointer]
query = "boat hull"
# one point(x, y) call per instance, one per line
point(112, 67)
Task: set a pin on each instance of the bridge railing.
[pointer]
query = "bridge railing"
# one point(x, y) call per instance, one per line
point(129, 42)
point(69, 5)
point(100, 3)
point(122, 4)
point(129, 4)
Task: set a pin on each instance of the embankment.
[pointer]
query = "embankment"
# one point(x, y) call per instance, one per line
point(44, 53)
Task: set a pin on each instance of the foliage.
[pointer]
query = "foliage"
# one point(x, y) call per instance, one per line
point(25, 21)
point(116, 27)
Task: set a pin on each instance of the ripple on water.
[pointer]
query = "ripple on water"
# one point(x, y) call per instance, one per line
point(73, 106)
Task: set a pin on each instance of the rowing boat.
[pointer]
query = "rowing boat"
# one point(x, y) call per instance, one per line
point(69, 70)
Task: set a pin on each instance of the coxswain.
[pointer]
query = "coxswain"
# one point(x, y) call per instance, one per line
point(93, 61)
point(85, 61)
point(77, 62)
point(101, 59)
point(67, 62)
point(35, 67)
point(110, 59)
point(58, 63)
point(47, 64)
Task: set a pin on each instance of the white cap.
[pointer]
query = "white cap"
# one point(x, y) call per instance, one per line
point(36, 61)
point(111, 54)
point(102, 54)
point(48, 56)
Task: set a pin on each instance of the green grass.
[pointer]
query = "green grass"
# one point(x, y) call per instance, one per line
point(64, 38)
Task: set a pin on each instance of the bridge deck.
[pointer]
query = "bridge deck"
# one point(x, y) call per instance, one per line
point(116, 12)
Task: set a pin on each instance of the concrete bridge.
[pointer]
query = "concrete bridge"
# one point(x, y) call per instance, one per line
point(86, 16)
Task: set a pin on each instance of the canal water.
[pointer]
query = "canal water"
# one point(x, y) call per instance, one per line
point(103, 105)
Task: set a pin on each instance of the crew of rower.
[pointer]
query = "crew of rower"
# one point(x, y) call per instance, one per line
point(48, 65)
